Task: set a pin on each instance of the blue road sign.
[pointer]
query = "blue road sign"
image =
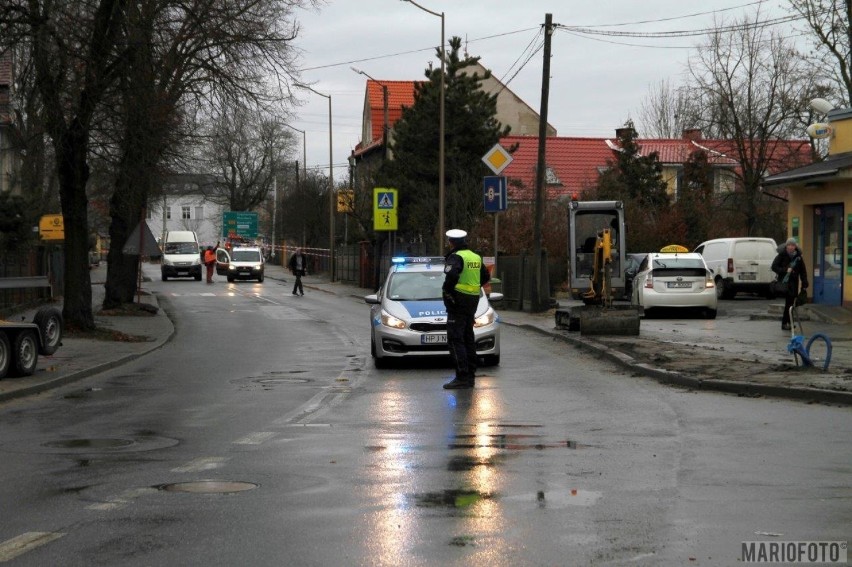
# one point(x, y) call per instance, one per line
point(494, 195)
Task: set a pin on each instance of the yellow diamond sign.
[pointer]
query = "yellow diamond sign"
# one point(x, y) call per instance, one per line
point(497, 159)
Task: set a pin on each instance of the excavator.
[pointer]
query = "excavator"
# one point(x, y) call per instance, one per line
point(597, 270)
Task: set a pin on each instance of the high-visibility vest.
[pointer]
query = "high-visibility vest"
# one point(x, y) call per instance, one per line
point(209, 256)
point(469, 279)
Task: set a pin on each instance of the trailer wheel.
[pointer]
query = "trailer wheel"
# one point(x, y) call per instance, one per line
point(5, 354)
point(26, 353)
point(49, 321)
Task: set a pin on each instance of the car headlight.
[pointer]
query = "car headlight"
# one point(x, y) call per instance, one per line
point(389, 320)
point(196, 262)
point(232, 267)
point(166, 261)
point(485, 319)
point(257, 268)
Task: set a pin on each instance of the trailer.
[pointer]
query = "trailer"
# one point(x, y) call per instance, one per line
point(21, 343)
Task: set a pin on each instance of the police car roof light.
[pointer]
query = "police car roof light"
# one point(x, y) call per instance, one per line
point(417, 260)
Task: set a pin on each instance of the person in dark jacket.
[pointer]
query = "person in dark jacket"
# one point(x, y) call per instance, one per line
point(464, 275)
point(790, 267)
point(298, 265)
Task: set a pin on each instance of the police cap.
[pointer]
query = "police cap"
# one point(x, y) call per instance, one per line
point(456, 234)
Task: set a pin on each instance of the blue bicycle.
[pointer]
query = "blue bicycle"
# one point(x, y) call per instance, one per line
point(815, 353)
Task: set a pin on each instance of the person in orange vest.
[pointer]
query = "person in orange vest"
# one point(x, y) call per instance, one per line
point(210, 262)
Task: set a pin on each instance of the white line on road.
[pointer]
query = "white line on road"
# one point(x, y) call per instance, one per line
point(23, 543)
point(121, 500)
point(255, 438)
point(202, 464)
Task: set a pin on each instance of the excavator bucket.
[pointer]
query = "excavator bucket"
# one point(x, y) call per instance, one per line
point(619, 320)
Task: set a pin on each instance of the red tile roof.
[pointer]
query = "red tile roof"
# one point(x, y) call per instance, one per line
point(400, 93)
point(576, 162)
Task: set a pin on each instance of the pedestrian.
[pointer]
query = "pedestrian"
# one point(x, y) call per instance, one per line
point(464, 276)
point(790, 267)
point(209, 262)
point(298, 267)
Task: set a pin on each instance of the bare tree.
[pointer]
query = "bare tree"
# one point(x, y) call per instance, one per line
point(75, 55)
point(751, 85)
point(667, 111)
point(178, 62)
point(246, 150)
point(829, 22)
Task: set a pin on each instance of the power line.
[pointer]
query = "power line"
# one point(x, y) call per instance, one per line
point(658, 20)
point(529, 45)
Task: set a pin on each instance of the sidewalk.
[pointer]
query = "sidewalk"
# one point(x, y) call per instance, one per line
point(742, 355)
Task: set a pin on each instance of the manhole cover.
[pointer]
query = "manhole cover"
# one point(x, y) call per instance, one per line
point(208, 486)
point(89, 444)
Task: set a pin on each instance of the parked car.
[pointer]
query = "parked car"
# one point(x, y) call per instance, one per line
point(633, 262)
point(740, 264)
point(240, 263)
point(408, 317)
point(679, 280)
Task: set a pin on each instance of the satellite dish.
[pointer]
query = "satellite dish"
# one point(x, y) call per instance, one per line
point(822, 105)
point(820, 130)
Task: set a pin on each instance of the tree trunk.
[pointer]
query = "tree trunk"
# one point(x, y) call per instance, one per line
point(73, 175)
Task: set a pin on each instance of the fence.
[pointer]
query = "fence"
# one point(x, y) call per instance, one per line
point(366, 265)
point(30, 276)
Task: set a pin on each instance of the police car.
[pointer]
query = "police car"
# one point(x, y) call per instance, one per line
point(408, 317)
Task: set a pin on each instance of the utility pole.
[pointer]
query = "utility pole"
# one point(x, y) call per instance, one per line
point(536, 301)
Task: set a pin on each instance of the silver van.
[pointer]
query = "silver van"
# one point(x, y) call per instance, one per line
point(740, 264)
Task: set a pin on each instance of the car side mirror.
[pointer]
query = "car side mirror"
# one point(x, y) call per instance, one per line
point(372, 299)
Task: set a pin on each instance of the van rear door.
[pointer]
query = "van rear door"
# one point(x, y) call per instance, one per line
point(752, 261)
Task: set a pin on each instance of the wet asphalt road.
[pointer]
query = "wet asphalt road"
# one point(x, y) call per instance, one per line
point(554, 459)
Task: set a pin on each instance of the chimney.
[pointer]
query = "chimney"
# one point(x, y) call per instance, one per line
point(621, 132)
point(693, 134)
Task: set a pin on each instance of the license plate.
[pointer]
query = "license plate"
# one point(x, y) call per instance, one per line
point(433, 339)
point(748, 276)
point(679, 284)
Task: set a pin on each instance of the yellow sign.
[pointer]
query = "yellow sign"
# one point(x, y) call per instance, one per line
point(674, 249)
point(497, 159)
point(384, 208)
point(51, 227)
point(345, 201)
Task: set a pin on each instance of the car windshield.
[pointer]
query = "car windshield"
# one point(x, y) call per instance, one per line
point(415, 286)
point(181, 248)
point(245, 256)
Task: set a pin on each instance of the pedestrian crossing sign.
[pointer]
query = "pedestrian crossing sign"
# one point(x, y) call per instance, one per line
point(384, 209)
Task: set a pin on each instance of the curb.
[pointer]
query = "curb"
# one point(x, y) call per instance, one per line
point(709, 384)
point(91, 371)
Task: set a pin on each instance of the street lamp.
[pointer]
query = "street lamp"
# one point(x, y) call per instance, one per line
point(440, 134)
point(304, 150)
point(385, 125)
point(331, 203)
point(304, 170)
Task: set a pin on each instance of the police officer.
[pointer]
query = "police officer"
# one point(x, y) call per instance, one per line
point(465, 274)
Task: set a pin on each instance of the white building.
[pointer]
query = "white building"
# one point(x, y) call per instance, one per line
point(184, 205)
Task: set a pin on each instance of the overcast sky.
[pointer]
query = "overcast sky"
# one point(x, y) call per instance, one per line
point(596, 84)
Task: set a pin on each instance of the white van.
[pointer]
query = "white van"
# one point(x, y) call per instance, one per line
point(740, 264)
point(181, 255)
